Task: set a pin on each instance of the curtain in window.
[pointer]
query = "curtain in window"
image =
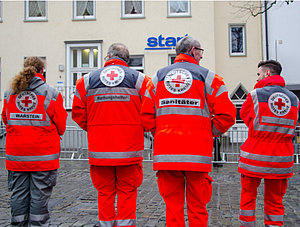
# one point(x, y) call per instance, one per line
point(84, 8)
point(133, 7)
point(178, 6)
point(37, 8)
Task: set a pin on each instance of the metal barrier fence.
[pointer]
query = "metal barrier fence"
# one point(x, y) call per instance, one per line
point(74, 145)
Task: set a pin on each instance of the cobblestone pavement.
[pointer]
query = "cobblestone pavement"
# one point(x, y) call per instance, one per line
point(74, 199)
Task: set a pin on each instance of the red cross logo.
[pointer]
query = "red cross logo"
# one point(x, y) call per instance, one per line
point(112, 75)
point(178, 81)
point(26, 101)
point(279, 103)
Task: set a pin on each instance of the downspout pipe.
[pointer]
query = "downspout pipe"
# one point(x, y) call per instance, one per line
point(266, 30)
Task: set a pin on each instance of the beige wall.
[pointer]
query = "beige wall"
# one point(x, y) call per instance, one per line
point(208, 23)
point(236, 69)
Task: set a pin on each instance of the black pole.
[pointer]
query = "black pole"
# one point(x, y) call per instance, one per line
point(266, 29)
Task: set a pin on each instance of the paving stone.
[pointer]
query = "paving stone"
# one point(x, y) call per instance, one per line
point(74, 199)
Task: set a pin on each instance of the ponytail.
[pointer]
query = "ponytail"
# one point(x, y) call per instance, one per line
point(32, 66)
point(21, 81)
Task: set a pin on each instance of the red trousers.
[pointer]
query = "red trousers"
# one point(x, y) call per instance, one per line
point(273, 208)
point(173, 185)
point(122, 181)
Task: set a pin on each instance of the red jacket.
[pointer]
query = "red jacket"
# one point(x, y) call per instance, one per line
point(107, 105)
point(270, 112)
point(186, 106)
point(34, 121)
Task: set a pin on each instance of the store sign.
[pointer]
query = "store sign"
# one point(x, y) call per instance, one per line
point(162, 43)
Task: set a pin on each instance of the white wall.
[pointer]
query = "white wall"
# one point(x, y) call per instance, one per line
point(284, 32)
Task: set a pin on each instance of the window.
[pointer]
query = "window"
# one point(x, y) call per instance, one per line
point(237, 39)
point(137, 63)
point(172, 58)
point(179, 8)
point(238, 97)
point(84, 10)
point(35, 10)
point(133, 9)
point(0, 11)
point(82, 58)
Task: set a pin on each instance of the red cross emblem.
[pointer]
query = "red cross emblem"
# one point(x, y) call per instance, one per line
point(280, 104)
point(112, 75)
point(178, 81)
point(26, 101)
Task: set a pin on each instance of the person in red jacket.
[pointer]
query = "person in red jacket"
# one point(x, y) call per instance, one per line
point(270, 112)
point(185, 106)
point(107, 105)
point(35, 118)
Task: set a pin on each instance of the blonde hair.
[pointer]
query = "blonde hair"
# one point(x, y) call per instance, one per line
point(32, 65)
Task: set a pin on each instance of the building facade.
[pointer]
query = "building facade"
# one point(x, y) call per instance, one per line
point(73, 37)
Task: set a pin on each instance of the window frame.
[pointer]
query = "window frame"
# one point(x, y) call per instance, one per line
point(39, 19)
point(138, 67)
point(188, 14)
point(239, 54)
point(170, 56)
point(70, 45)
point(132, 16)
point(1, 19)
point(75, 17)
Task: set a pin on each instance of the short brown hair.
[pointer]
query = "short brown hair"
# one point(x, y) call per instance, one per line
point(272, 65)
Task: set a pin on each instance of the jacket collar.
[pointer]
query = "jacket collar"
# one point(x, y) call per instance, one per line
point(115, 61)
point(36, 81)
point(40, 76)
point(185, 58)
point(270, 80)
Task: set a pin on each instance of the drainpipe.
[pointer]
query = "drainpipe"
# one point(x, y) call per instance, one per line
point(266, 30)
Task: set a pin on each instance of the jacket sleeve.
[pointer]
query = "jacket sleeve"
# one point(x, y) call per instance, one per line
point(58, 114)
point(220, 105)
point(79, 108)
point(247, 110)
point(148, 108)
point(141, 84)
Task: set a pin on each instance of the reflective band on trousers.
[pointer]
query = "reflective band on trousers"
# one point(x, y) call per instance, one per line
point(260, 169)
point(116, 155)
point(182, 158)
point(272, 217)
point(50, 157)
point(247, 212)
point(126, 222)
point(39, 217)
point(107, 223)
point(182, 111)
point(266, 158)
point(18, 218)
point(258, 127)
point(273, 225)
point(247, 223)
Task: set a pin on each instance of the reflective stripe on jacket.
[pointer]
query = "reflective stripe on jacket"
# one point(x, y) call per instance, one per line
point(178, 107)
point(270, 111)
point(107, 105)
point(34, 120)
